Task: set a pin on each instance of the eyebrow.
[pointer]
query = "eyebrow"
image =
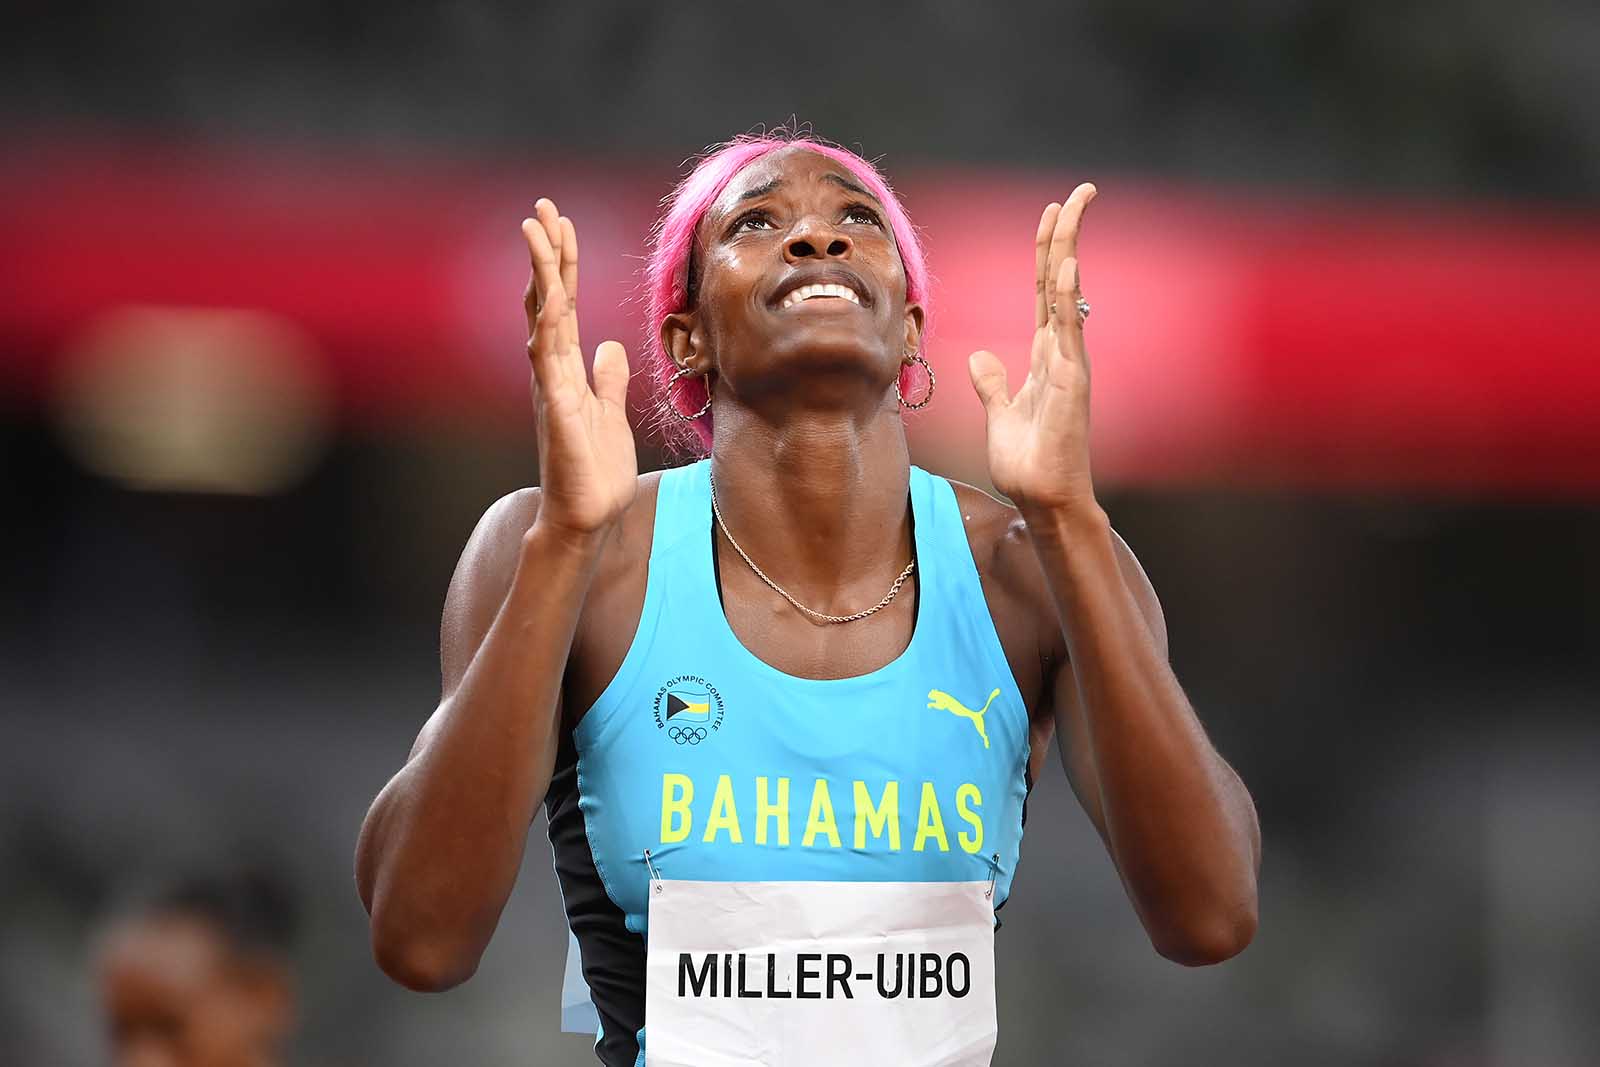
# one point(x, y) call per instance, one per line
point(769, 186)
point(760, 190)
point(840, 180)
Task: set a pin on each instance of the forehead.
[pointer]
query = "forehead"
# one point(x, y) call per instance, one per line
point(792, 168)
point(173, 952)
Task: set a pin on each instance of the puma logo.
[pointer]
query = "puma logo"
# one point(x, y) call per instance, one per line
point(939, 700)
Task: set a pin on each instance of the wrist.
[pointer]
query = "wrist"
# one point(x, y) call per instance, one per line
point(547, 539)
point(1059, 497)
point(1065, 522)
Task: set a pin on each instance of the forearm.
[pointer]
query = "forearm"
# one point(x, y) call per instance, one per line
point(1178, 821)
point(441, 847)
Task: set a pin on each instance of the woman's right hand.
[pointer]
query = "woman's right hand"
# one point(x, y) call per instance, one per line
point(587, 468)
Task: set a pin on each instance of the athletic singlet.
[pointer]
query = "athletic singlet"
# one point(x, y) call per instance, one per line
point(727, 769)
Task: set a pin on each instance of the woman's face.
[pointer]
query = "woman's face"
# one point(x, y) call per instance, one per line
point(175, 995)
point(791, 219)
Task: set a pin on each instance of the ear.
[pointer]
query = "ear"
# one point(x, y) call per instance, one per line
point(913, 338)
point(681, 339)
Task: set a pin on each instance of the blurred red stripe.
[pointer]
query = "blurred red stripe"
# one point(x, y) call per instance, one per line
point(1235, 339)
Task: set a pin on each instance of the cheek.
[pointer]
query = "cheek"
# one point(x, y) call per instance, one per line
point(897, 282)
point(733, 275)
point(220, 1033)
point(728, 297)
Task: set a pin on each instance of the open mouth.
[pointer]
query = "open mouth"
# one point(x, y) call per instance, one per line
point(823, 291)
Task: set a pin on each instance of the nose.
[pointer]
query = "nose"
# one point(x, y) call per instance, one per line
point(814, 233)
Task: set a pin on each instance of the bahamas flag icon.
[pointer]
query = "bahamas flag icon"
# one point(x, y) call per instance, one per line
point(688, 703)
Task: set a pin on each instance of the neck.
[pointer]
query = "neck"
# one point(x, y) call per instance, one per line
point(819, 500)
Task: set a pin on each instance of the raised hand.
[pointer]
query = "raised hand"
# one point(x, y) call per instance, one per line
point(587, 467)
point(1039, 439)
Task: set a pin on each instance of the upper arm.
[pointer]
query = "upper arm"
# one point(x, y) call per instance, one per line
point(1026, 613)
point(478, 588)
point(1144, 594)
point(480, 582)
point(1072, 727)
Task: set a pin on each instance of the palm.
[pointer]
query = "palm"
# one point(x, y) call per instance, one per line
point(1039, 438)
point(587, 467)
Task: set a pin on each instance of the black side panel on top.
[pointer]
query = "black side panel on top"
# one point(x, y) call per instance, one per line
point(613, 958)
point(1027, 781)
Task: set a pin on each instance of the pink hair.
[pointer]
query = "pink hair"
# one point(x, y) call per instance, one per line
point(666, 271)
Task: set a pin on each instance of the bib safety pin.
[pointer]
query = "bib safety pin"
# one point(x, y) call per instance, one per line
point(655, 875)
point(994, 872)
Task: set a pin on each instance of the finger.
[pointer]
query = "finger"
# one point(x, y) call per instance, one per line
point(1041, 264)
point(544, 351)
point(545, 209)
point(1064, 241)
point(1065, 292)
point(544, 327)
point(568, 249)
point(546, 267)
point(569, 271)
point(533, 295)
point(1068, 289)
point(611, 373)
point(989, 380)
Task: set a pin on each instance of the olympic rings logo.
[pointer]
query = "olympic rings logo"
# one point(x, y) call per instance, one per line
point(687, 735)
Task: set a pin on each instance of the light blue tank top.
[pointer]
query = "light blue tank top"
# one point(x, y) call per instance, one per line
point(728, 769)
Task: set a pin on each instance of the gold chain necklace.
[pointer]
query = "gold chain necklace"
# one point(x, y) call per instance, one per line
point(879, 606)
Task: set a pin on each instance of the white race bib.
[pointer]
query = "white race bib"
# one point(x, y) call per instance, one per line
point(784, 974)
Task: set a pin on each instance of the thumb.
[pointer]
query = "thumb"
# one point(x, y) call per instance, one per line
point(989, 379)
point(611, 373)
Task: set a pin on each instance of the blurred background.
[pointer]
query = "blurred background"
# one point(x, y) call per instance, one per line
point(261, 370)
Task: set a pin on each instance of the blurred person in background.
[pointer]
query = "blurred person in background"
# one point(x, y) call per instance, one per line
point(789, 296)
point(199, 975)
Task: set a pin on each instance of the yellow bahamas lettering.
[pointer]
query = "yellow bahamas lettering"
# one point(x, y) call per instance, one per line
point(883, 815)
point(821, 820)
point(724, 816)
point(967, 795)
point(878, 821)
point(778, 813)
point(930, 822)
point(677, 790)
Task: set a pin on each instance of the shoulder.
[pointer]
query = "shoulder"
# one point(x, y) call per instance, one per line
point(1004, 552)
point(1000, 545)
point(1013, 585)
point(493, 552)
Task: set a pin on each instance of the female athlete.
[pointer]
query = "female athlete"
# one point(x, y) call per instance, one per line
point(783, 705)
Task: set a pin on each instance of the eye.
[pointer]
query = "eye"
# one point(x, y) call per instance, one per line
point(863, 212)
point(748, 219)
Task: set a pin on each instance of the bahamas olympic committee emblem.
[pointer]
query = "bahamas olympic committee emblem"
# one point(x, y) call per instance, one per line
point(689, 709)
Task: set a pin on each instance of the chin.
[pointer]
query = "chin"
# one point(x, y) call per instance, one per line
point(815, 351)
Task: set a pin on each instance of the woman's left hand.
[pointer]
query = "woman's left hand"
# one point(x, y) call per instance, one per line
point(1039, 439)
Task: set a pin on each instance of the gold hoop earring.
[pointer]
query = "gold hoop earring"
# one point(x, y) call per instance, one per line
point(916, 357)
point(674, 408)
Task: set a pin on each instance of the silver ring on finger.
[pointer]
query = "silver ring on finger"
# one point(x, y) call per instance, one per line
point(1083, 310)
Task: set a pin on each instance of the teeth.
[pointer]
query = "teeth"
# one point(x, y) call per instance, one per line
point(806, 292)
